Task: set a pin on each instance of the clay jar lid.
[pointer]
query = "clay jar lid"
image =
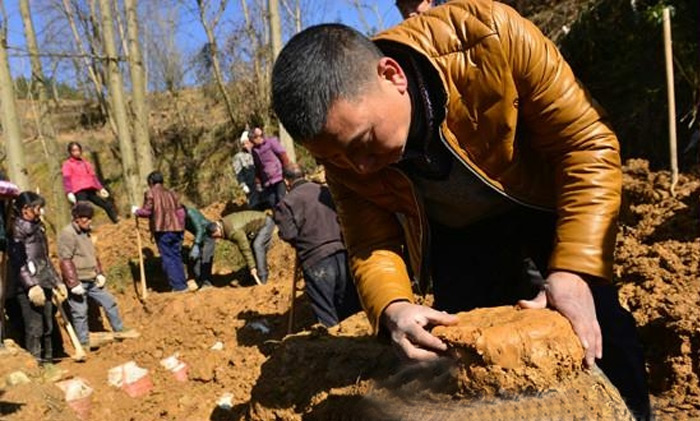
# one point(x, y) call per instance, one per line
point(507, 350)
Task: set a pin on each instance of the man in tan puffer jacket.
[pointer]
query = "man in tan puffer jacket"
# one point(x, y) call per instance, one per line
point(460, 149)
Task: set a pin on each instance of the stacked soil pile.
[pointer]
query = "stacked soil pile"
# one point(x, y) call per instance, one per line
point(657, 269)
point(26, 391)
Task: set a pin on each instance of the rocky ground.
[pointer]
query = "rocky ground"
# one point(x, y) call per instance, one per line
point(316, 372)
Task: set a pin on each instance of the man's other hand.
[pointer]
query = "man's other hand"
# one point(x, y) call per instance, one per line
point(407, 324)
point(569, 294)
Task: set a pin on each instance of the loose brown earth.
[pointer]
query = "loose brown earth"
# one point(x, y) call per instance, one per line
point(317, 372)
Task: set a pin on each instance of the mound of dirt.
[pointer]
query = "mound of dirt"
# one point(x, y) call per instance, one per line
point(505, 351)
point(26, 390)
point(657, 271)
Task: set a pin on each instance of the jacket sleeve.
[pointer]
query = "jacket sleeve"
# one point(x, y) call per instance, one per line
point(95, 180)
point(569, 129)
point(200, 231)
point(281, 153)
point(20, 260)
point(66, 251)
point(284, 218)
point(147, 209)
point(241, 240)
point(374, 241)
point(66, 173)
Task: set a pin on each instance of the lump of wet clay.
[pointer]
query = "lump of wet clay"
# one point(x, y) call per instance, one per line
point(506, 351)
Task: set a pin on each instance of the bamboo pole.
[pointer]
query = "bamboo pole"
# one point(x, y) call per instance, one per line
point(668, 50)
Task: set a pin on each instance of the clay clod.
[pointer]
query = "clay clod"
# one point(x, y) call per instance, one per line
point(507, 351)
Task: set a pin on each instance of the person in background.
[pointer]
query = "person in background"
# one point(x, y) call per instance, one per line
point(247, 228)
point(167, 223)
point(270, 158)
point(410, 8)
point(83, 275)
point(8, 191)
point(80, 182)
point(203, 247)
point(307, 220)
point(244, 168)
point(33, 275)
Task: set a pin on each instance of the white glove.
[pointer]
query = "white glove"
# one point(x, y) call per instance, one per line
point(245, 188)
point(134, 208)
point(104, 193)
point(78, 290)
point(36, 296)
point(100, 280)
point(71, 198)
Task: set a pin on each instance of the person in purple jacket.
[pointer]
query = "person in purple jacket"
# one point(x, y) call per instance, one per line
point(270, 159)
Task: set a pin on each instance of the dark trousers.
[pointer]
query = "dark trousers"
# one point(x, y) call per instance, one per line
point(261, 244)
point(170, 245)
point(330, 289)
point(203, 264)
point(38, 326)
point(95, 198)
point(496, 262)
point(272, 195)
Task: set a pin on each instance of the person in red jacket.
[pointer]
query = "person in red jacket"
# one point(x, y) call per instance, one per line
point(80, 182)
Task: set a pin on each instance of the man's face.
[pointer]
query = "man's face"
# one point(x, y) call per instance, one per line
point(217, 234)
point(368, 133)
point(83, 222)
point(257, 136)
point(410, 8)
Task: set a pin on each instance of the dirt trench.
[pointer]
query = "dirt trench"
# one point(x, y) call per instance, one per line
point(318, 372)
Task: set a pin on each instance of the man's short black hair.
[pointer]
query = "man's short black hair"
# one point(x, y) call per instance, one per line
point(156, 177)
point(82, 209)
point(293, 173)
point(318, 66)
point(211, 228)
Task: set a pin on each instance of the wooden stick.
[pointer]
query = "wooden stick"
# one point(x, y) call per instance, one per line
point(142, 270)
point(668, 50)
point(292, 297)
point(79, 351)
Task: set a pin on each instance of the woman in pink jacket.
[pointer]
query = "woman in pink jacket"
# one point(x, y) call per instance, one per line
point(80, 182)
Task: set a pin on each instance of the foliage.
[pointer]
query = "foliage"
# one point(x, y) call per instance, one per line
point(616, 49)
point(64, 90)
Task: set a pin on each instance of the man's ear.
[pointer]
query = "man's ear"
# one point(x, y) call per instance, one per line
point(390, 70)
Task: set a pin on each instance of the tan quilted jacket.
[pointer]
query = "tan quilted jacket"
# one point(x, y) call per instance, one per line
point(516, 117)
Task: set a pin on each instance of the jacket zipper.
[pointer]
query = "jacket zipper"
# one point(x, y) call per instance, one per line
point(488, 182)
point(424, 237)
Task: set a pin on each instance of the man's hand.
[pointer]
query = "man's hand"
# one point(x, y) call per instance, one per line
point(194, 252)
point(100, 280)
point(71, 198)
point(36, 296)
point(134, 209)
point(569, 294)
point(406, 323)
point(104, 193)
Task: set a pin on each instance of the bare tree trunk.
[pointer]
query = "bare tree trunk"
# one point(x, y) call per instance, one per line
point(142, 141)
point(16, 165)
point(214, 51)
point(255, 42)
point(116, 93)
point(92, 72)
point(46, 129)
point(276, 38)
